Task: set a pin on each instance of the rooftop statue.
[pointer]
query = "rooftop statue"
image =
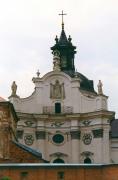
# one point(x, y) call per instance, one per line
point(100, 91)
point(14, 89)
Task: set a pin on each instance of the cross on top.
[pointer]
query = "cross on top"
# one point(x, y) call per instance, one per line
point(62, 14)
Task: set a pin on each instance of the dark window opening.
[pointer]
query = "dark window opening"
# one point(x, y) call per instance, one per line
point(58, 160)
point(57, 107)
point(24, 175)
point(58, 138)
point(87, 161)
point(60, 175)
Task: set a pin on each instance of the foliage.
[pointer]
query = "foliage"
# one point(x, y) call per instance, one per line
point(5, 178)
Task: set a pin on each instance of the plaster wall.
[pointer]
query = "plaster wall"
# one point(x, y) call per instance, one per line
point(74, 98)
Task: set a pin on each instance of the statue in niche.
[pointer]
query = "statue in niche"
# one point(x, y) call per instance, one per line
point(57, 90)
point(100, 91)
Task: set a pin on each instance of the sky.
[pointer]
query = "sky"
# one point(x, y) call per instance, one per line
point(28, 29)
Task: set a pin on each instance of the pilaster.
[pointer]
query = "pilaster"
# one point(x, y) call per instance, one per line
point(75, 138)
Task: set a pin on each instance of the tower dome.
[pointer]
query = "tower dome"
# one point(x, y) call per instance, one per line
point(67, 54)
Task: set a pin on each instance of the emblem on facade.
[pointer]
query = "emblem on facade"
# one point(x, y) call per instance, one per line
point(29, 139)
point(86, 122)
point(57, 124)
point(87, 153)
point(57, 90)
point(29, 123)
point(87, 138)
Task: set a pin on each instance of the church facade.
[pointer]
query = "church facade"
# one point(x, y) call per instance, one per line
point(65, 118)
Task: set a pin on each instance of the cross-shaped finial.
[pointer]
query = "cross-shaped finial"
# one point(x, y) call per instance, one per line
point(62, 14)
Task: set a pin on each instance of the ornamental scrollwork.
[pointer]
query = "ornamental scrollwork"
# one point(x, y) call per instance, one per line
point(29, 123)
point(29, 139)
point(87, 138)
point(57, 124)
point(86, 122)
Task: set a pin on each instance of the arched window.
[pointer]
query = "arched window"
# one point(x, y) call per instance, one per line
point(57, 107)
point(87, 161)
point(58, 160)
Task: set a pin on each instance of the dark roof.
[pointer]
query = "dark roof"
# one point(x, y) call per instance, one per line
point(30, 150)
point(85, 83)
point(63, 39)
point(114, 128)
point(67, 50)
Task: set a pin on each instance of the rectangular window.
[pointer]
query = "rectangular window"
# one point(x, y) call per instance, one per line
point(60, 175)
point(24, 175)
point(57, 107)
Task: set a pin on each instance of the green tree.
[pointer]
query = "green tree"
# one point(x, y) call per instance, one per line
point(5, 178)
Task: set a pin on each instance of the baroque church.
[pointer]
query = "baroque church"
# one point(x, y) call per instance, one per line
point(65, 118)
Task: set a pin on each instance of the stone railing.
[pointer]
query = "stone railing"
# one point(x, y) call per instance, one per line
point(51, 110)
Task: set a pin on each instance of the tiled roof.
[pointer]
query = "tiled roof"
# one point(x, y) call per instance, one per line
point(28, 149)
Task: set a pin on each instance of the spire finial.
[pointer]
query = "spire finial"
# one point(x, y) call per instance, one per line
point(62, 14)
point(38, 73)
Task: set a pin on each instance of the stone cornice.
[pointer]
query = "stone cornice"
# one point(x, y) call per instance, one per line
point(51, 74)
point(98, 114)
point(77, 116)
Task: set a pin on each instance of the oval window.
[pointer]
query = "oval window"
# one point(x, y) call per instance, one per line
point(58, 138)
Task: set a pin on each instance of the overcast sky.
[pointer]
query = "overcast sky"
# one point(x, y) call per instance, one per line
point(28, 29)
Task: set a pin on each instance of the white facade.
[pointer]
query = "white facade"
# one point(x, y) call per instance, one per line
point(84, 121)
point(64, 118)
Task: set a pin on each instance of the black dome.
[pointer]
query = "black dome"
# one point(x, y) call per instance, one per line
point(85, 83)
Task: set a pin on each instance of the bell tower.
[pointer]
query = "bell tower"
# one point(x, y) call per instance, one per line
point(66, 51)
